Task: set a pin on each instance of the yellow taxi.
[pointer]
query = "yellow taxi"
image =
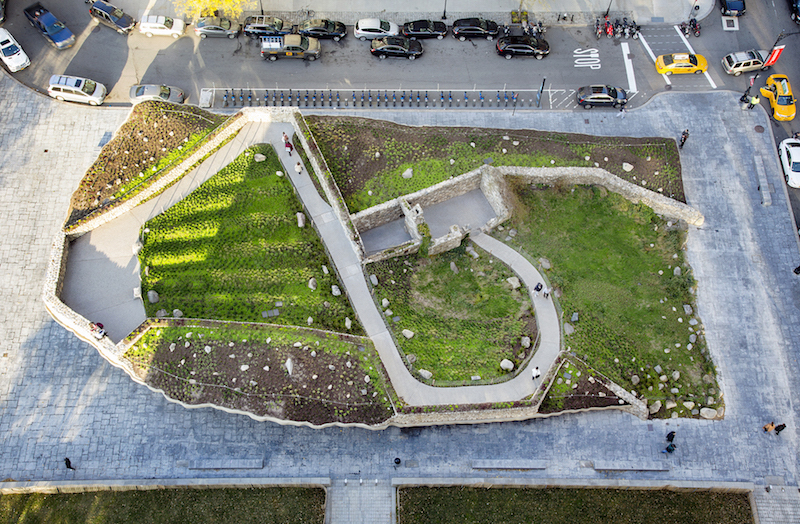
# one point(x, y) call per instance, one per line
point(779, 93)
point(680, 63)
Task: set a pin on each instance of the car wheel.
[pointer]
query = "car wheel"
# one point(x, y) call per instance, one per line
point(203, 35)
point(149, 35)
point(60, 98)
point(174, 35)
point(312, 58)
point(92, 103)
point(336, 38)
point(539, 57)
point(413, 38)
point(382, 57)
point(698, 72)
point(490, 38)
point(439, 37)
point(507, 56)
point(121, 31)
point(737, 73)
point(462, 38)
point(412, 57)
point(232, 35)
point(587, 106)
point(764, 68)
point(668, 73)
point(617, 105)
point(363, 38)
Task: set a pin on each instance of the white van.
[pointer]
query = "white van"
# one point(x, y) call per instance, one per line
point(76, 89)
point(162, 26)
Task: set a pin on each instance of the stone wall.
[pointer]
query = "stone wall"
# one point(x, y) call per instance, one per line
point(378, 215)
point(495, 190)
point(447, 242)
point(445, 190)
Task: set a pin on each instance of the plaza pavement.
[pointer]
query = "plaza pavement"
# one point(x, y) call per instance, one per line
point(59, 398)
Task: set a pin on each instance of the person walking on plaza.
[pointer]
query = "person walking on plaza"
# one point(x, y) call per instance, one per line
point(536, 373)
point(769, 427)
point(68, 463)
point(285, 138)
point(754, 101)
point(779, 428)
point(289, 148)
point(684, 136)
point(670, 436)
point(298, 168)
point(669, 449)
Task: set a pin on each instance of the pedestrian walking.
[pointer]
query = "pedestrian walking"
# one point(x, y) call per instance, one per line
point(669, 449)
point(754, 101)
point(670, 436)
point(684, 136)
point(285, 138)
point(289, 148)
point(797, 270)
point(546, 292)
point(68, 463)
point(536, 373)
point(622, 112)
point(769, 427)
point(298, 168)
point(779, 428)
point(537, 288)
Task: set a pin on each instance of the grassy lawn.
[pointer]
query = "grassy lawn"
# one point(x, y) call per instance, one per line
point(232, 250)
point(268, 505)
point(465, 323)
point(613, 263)
point(568, 506)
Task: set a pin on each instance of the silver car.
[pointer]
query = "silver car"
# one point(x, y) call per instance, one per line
point(216, 27)
point(142, 92)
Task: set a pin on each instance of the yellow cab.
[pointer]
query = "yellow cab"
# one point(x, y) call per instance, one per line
point(779, 93)
point(680, 63)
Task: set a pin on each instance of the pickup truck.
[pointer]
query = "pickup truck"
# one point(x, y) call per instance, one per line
point(292, 46)
point(51, 27)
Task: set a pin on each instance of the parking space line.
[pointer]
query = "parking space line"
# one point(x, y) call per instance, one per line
point(652, 56)
point(691, 50)
point(628, 67)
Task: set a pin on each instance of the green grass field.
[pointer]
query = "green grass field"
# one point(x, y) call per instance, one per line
point(232, 250)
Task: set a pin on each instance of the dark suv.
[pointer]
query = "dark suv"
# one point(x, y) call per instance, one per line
point(591, 96)
point(113, 17)
point(258, 26)
point(523, 45)
point(732, 7)
point(474, 28)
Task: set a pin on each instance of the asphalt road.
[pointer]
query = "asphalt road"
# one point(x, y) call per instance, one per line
point(447, 67)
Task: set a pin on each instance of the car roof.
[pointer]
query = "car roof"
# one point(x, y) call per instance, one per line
point(369, 22)
point(65, 80)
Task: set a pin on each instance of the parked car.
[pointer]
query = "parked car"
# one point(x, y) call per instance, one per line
point(475, 28)
point(424, 29)
point(396, 47)
point(779, 93)
point(161, 25)
point(794, 9)
point(744, 61)
point(216, 27)
point(111, 16)
point(76, 89)
point(12, 54)
point(523, 45)
point(369, 28)
point(732, 7)
point(789, 153)
point(290, 46)
point(681, 63)
point(259, 26)
point(321, 28)
point(141, 92)
point(50, 27)
point(601, 96)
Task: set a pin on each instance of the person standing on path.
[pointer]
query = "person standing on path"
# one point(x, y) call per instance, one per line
point(684, 136)
point(68, 463)
point(536, 373)
point(298, 168)
point(769, 427)
point(779, 428)
point(753, 102)
point(285, 138)
point(289, 148)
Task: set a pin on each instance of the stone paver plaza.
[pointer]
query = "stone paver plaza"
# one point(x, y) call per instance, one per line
point(59, 398)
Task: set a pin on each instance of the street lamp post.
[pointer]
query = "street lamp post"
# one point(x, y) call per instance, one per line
point(444, 12)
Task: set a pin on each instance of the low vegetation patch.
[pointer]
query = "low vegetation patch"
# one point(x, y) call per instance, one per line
point(284, 372)
point(232, 250)
point(465, 315)
point(568, 506)
point(621, 269)
point(368, 157)
point(576, 386)
point(156, 135)
point(235, 506)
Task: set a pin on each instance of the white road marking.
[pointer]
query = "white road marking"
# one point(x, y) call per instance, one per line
point(628, 67)
point(652, 56)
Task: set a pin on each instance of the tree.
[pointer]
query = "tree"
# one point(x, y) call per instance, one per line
point(228, 8)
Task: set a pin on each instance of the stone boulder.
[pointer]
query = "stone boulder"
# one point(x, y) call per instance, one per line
point(335, 291)
point(671, 404)
point(655, 407)
point(454, 267)
point(657, 369)
point(312, 284)
point(385, 302)
point(545, 263)
point(687, 309)
point(258, 157)
point(635, 380)
point(506, 365)
point(408, 173)
point(688, 405)
point(152, 296)
point(424, 373)
point(526, 342)
point(514, 281)
point(676, 375)
point(708, 413)
point(408, 333)
point(677, 271)
point(568, 329)
point(161, 313)
point(177, 313)
point(373, 279)
point(627, 167)
point(301, 219)
point(348, 323)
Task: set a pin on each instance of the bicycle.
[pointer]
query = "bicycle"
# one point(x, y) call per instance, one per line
point(305, 13)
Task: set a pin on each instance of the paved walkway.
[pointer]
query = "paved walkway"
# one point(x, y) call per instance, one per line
point(59, 398)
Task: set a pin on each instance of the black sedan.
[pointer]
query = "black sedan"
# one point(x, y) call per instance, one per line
point(111, 16)
point(600, 95)
point(396, 46)
point(524, 45)
point(475, 28)
point(424, 29)
point(321, 28)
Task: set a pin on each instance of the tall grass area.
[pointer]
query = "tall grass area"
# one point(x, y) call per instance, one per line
point(232, 250)
point(613, 262)
point(457, 505)
point(464, 323)
point(168, 506)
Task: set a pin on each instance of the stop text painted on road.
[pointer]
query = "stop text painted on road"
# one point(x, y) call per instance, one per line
point(587, 58)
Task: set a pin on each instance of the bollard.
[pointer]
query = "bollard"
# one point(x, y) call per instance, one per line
point(354, 99)
point(480, 93)
point(394, 99)
point(505, 95)
point(225, 98)
point(250, 97)
point(442, 98)
point(426, 99)
point(386, 99)
point(417, 98)
point(330, 98)
point(306, 98)
point(498, 99)
point(466, 99)
point(450, 97)
point(369, 94)
point(362, 98)
point(402, 98)
point(337, 99)
point(314, 98)
point(290, 96)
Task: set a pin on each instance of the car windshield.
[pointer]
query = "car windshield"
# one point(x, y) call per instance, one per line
point(692, 59)
point(116, 14)
point(384, 25)
point(55, 28)
point(168, 22)
point(729, 60)
point(10, 50)
point(304, 42)
point(612, 92)
point(785, 100)
point(312, 24)
point(88, 86)
point(225, 24)
point(163, 92)
point(796, 167)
